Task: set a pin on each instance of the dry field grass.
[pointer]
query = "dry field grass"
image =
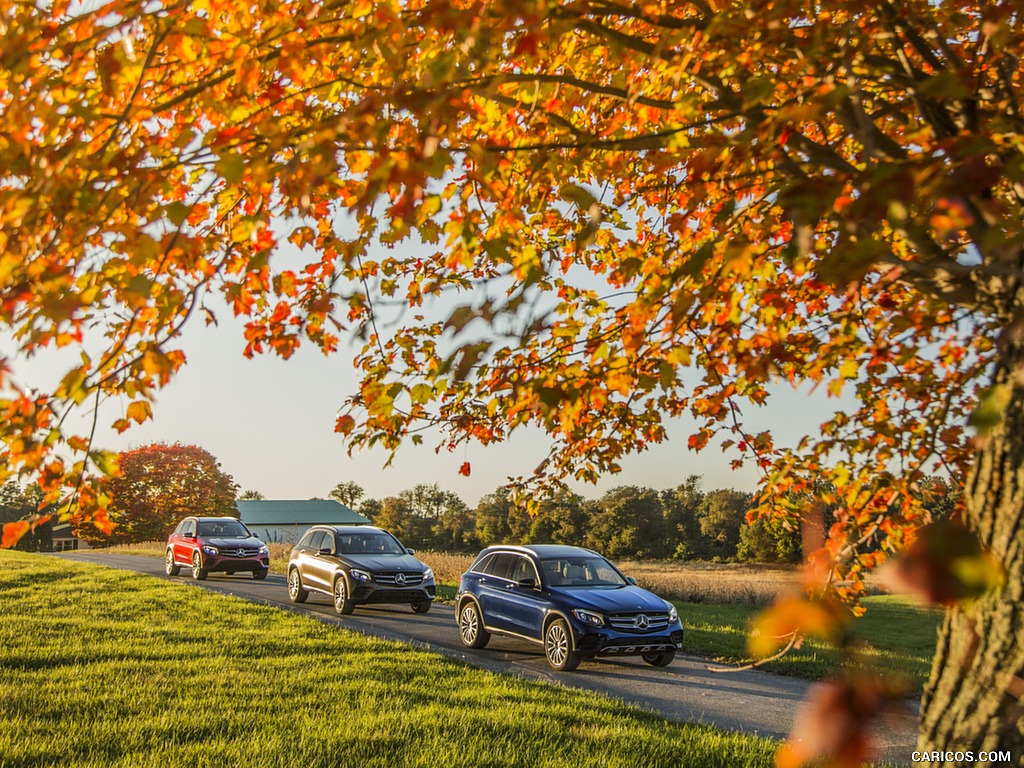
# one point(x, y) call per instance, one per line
point(693, 583)
point(722, 584)
point(447, 568)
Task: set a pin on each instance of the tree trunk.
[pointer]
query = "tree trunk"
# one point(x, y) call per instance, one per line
point(974, 701)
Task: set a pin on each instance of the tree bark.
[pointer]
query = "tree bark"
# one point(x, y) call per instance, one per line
point(974, 701)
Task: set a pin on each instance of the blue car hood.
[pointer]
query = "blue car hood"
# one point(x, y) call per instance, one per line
point(625, 599)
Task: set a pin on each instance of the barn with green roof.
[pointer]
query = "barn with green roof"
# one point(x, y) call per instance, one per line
point(286, 521)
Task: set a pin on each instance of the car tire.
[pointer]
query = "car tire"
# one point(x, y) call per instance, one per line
point(261, 574)
point(558, 647)
point(171, 568)
point(421, 606)
point(198, 573)
point(296, 592)
point(342, 597)
point(471, 626)
point(659, 659)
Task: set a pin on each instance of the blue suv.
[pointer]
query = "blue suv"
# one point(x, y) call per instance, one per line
point(570, 600)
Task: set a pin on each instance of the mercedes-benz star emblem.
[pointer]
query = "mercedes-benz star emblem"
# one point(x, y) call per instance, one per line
point(400, 578)
point(642, 622)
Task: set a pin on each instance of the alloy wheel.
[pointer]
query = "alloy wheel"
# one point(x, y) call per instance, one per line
point(469, 624)
point(556, 645)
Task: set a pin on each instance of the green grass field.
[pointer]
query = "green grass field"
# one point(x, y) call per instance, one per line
point(897, 637)
point(100, 667)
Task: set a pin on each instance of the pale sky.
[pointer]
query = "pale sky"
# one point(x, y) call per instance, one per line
point(270, 422)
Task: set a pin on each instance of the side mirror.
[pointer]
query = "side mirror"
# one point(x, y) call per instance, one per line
point(325, 551)
point(190, 535)
point(527, 583)
point(410, 550)
point(631, 580)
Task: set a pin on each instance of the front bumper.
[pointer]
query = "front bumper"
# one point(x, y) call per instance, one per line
point(227, 564)
point(378, 593)
point(604, 641)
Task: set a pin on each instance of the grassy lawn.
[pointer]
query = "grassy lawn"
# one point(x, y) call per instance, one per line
point(898, 636)
point(100, 667)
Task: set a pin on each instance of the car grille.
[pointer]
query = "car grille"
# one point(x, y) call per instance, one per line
point(391, 577)
point(634, 622)
point(240, 552)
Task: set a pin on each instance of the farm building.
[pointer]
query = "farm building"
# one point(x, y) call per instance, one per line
point(286, 521)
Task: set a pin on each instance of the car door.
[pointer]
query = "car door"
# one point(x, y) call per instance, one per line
point(524, 606)
point(323, 567)
point(174, 538)
point(311, 563)
point(185, 543)
point(493, 589)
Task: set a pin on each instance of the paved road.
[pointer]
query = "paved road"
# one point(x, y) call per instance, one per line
point(751, 701)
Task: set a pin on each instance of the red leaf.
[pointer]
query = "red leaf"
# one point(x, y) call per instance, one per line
point(464, 469)
point(837, 721)
point(946, 564)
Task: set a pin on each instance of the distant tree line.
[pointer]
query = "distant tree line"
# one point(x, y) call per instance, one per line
point(681, 523)
point(161, 483)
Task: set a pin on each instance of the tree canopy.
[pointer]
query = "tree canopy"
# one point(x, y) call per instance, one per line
point(156, 486)
point(348, 492)
point(583, 215)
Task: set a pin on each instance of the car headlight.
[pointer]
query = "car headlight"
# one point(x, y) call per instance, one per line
point(264, 551)
point(588, 617)
point(428, 574)
point(673, 614)
point(359, 575)
point(210, 550)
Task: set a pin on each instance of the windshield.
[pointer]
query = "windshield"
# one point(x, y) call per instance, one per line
point(223, 529)
point(368, 544)
point(592, 571)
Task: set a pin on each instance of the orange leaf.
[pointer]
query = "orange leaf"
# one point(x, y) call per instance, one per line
point(793, 615)
point(464, 469)
point(103, 522)
point(13, 533)
point(139, 411)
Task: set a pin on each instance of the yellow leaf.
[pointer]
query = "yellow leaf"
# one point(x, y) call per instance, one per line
point(139, 411)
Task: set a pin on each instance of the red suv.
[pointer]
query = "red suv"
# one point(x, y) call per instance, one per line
point(215, 544)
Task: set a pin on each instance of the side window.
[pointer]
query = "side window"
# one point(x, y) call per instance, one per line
point(480, 566)
point(188, 527)
point(318, 540)
point(306, 538)
point(524, 570)
point(501, 565)
point(178, 529)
